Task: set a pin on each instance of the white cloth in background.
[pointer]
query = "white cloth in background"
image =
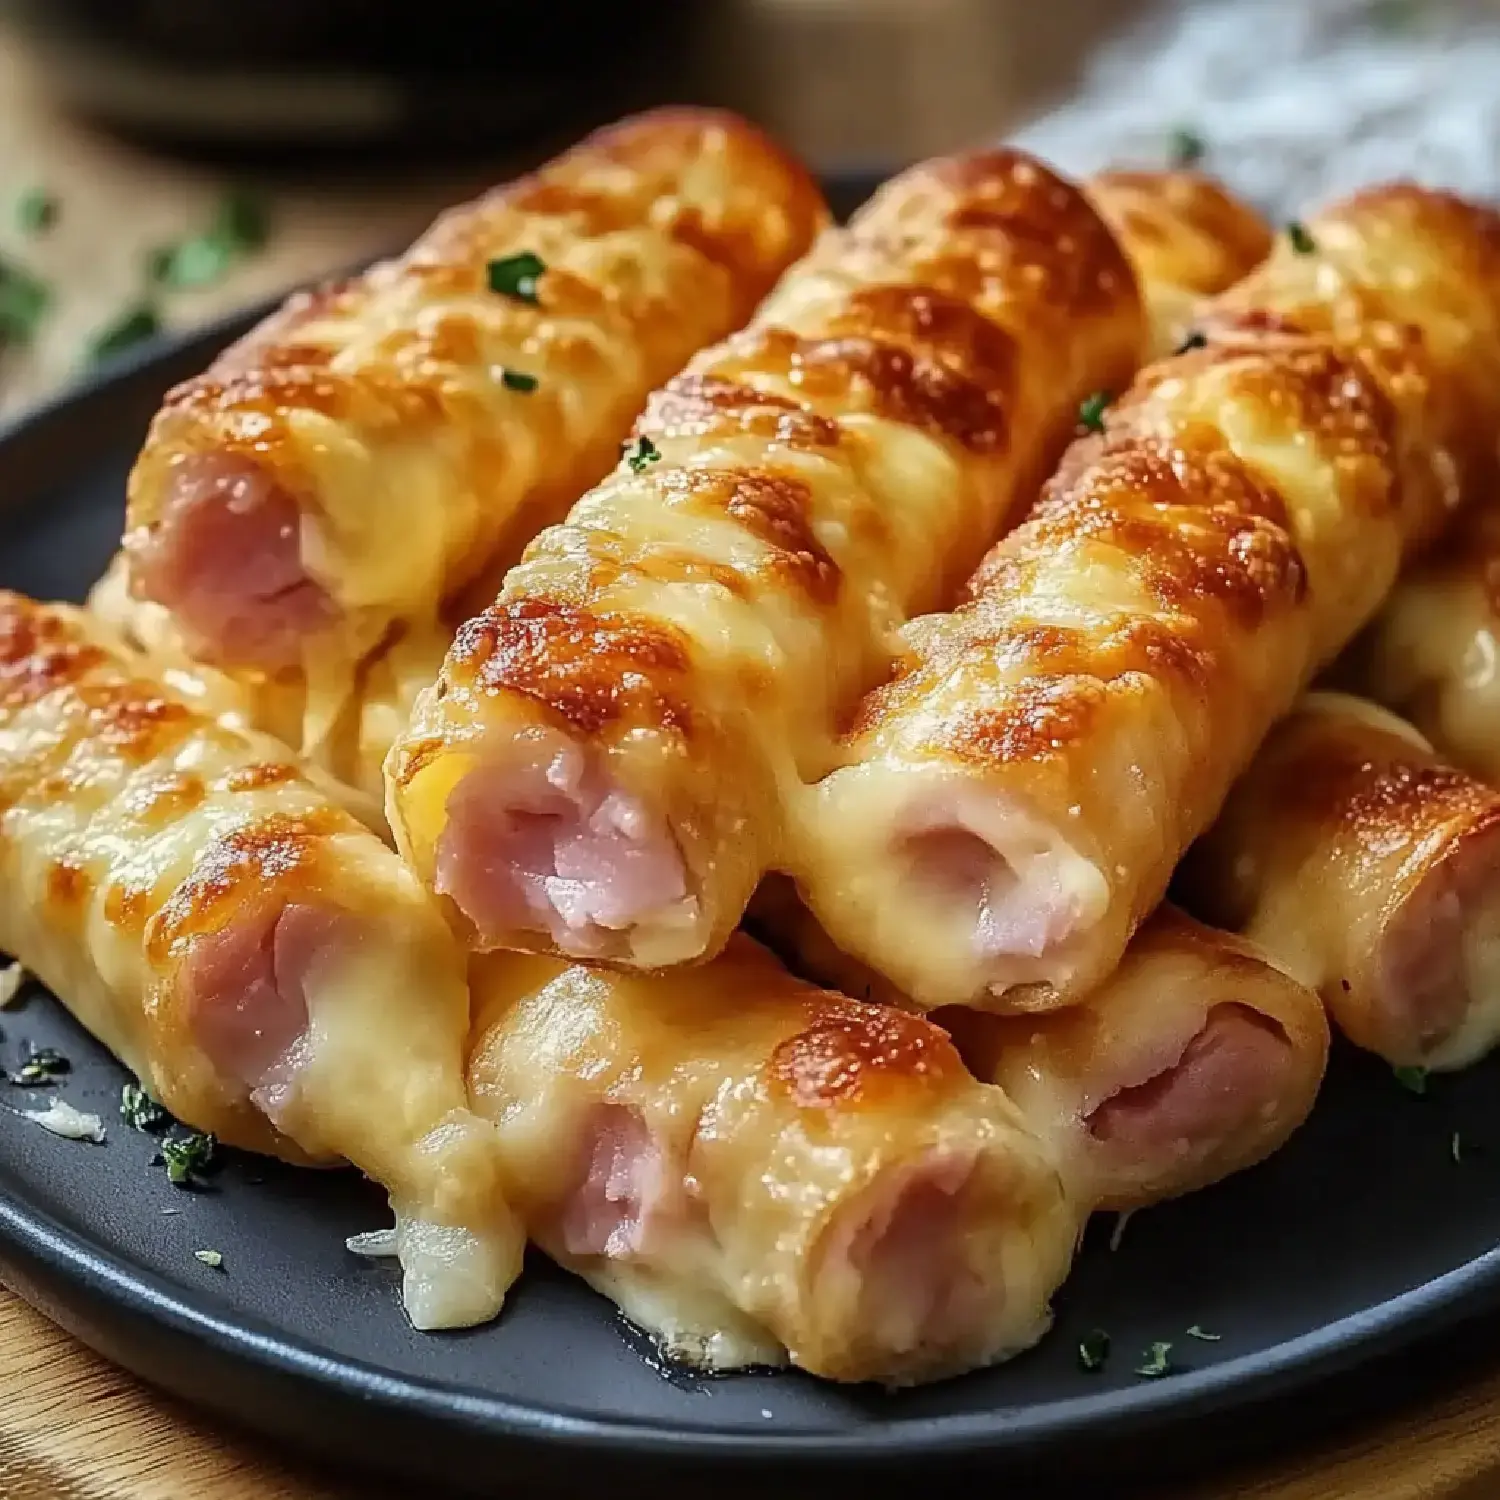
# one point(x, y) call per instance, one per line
point(1295, 100)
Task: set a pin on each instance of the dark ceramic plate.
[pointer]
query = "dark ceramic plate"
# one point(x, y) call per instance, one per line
point(1327, 1272)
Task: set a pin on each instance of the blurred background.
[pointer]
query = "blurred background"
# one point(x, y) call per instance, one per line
point(164, 161)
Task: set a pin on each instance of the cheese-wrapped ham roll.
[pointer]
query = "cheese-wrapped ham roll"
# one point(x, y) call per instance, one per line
point(1188, 238)
point(602, 767)
point(1433, 653)
point(1195, 1059)
point(1013, 801)
point(1370, 869)
point(755, 1169)
point(379, 443)
point(270, 970)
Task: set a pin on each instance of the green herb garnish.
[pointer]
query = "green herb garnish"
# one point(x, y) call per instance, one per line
point(1093, 1350)
point(210, 1258)
point(43, 1065)
point(140, 1111)
point(1187, 147)
point(240, 227)
point(1091, 411)
point(1155, 1362)
point(1413, 1080)
point(516, 276)
point(132, 327)
point(36, 211)
point(188, 1157)
point(1194, 340)
point(1195, 1332)
point(24, 299)
point(640, 453)
point(517, 380)
point(1302, 242)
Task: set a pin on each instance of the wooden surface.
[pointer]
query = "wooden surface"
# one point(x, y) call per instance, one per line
point(73, 1427)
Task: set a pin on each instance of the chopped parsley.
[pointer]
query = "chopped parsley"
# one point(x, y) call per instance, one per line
point(213, 1259)
point(140, 1111)
point(1186, 148)
point(1195, 1332)
point(1155, 1362)
point(24, 301)
point(36, 211)
point(43, 1065)
point(240, 227)
point(1194, 340)
point(517, 380)
point(1302, 242)
point(1091, 411)
point(187, 1157)
point(515, 276)
point(641, 453)
point(132, 327)
point(1413, 1080)
point(1093, 1350)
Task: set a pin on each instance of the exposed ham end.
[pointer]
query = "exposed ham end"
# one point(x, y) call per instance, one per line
point(1224, 1086)
point(245, 988)
point(903, 1247)
point(1436, 976)
point(225, 557)
point(627, 1201)
point(538, 841)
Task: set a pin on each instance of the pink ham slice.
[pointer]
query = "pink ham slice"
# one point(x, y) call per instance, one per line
point(1222, 1081)
point(903, 1242)
point(246, 989)
point(626, 1201)
point(546, 844)
point(225, 559)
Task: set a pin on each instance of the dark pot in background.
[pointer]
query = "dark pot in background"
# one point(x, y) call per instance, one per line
point(341, 75)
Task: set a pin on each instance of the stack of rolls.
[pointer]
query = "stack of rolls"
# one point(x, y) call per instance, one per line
point(775, 930)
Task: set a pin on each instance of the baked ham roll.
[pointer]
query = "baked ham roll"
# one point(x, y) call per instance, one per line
point(269, 968)
point(1433, 653)
point(757, 1170)
point(1188, 238)
point(378, 444)
point(1012, 802)
point(1369, 869)
point(605, 764)
point(1195, 1059)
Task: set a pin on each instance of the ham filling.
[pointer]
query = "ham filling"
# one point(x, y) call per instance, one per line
point(1437, 970)
point(902, 1244)
point(1225, 1080)
point(548, 844)
point(626, 1201)
point(226, 559)
point(246, 989)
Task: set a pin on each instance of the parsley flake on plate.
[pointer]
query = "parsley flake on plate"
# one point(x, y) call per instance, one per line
point(1156, 1361)
point(133, 326)
point(515, 276)
point(188, 1157)
point(42, 1065)
point(140, 1111)
point(213, 1259)
point(1413, 1080)
point(240, 227)
point(1093, 1350)
point(1195, 1332)
point(24, 301)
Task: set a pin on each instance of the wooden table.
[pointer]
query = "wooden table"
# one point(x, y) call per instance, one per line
point(72, 1427)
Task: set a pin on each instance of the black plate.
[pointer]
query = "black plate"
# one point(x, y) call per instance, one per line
point(1360, 1237)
